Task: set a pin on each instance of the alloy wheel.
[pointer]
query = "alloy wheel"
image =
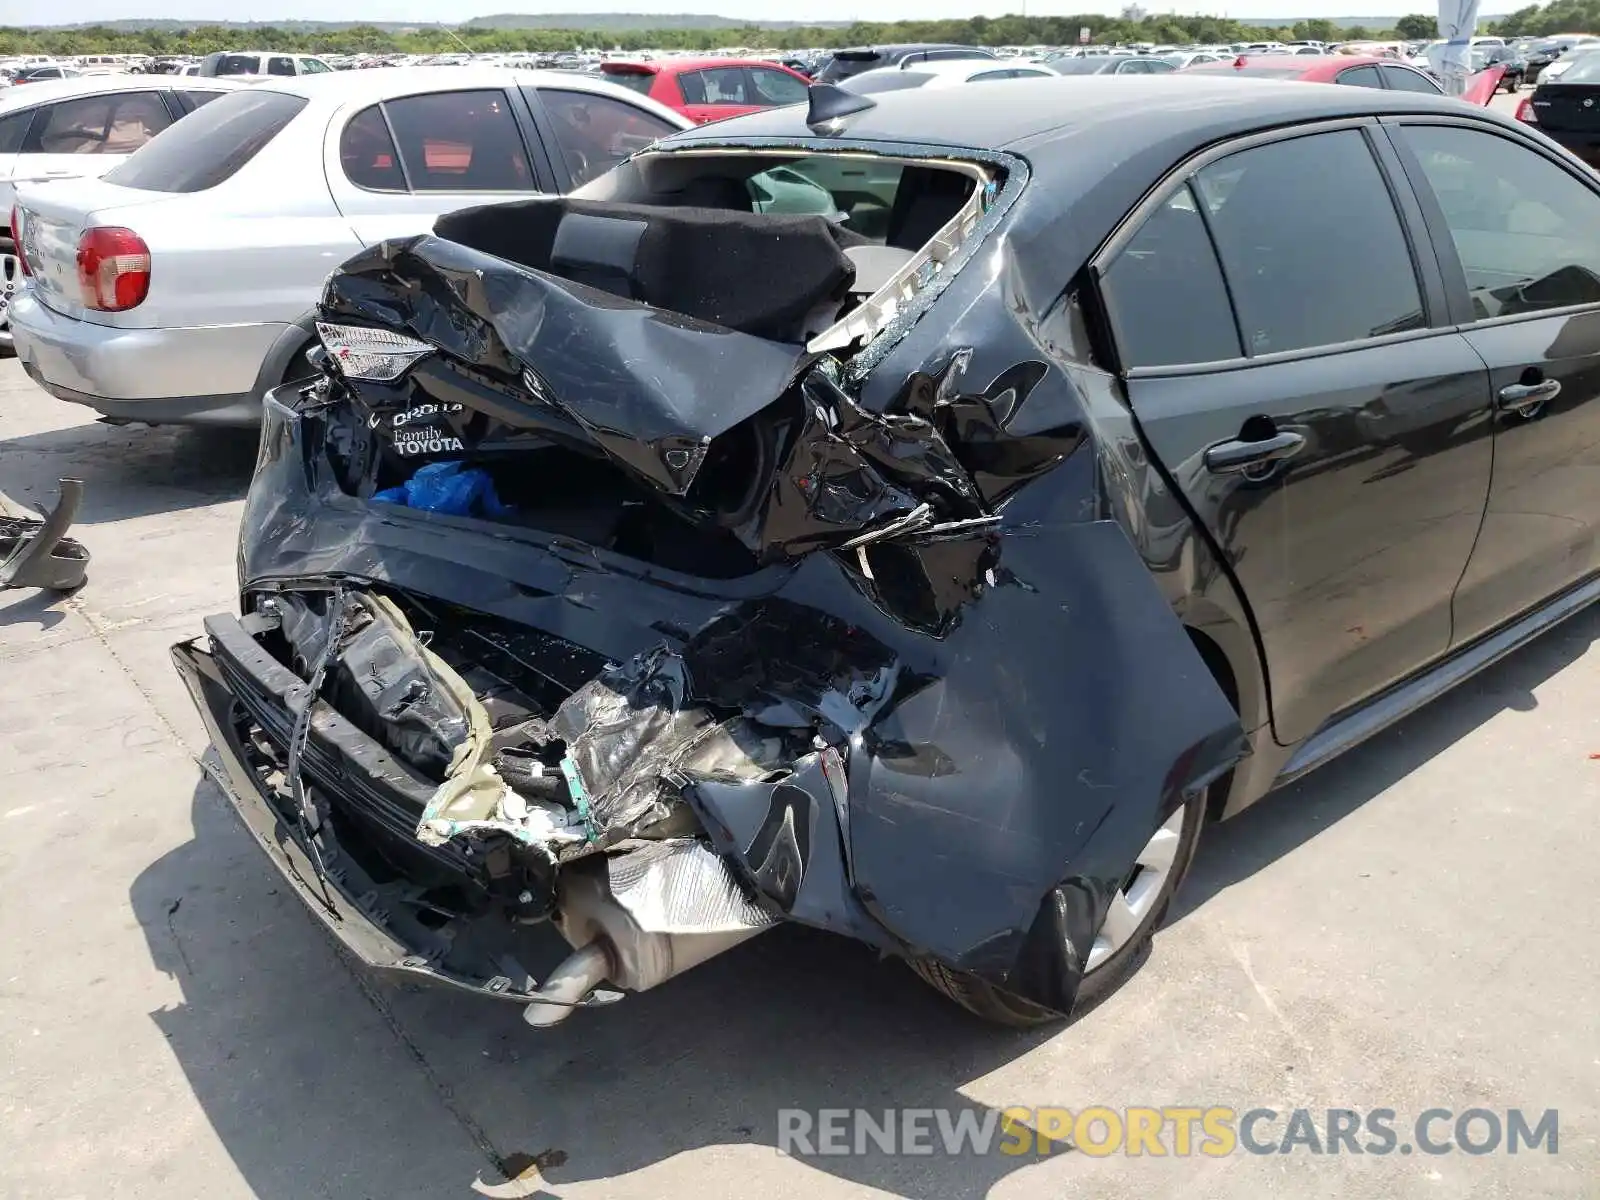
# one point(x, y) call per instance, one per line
point(1136, 899)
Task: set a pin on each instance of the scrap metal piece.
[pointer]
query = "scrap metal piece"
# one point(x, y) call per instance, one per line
point(38, 554)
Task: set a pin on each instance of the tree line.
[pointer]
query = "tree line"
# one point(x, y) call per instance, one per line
point(1132, 25)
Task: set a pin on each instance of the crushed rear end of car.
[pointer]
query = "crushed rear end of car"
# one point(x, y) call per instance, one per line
point(667, 562)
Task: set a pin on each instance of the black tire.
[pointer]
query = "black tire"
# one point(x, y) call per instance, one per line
point(1000, 1007)
point(7, 246)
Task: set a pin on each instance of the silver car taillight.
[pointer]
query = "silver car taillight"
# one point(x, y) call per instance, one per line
point(373, 354)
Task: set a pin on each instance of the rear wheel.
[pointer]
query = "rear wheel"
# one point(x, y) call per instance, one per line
point(1122, 943)
point(10, 285)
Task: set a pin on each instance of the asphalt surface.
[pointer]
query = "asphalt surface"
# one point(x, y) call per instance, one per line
point(1413, 927)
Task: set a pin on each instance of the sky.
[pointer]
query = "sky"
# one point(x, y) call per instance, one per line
point(47, 12)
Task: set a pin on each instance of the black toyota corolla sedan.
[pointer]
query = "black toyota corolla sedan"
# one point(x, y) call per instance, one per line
point(913, 519)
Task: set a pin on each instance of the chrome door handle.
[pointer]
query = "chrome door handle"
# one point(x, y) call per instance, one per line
point(1229, 457)
point(1520, 397)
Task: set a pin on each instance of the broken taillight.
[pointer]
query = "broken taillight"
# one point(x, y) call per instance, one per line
point(113, 269)
point(372, 354)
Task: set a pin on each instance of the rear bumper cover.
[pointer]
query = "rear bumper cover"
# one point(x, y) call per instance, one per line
point(346, 902)
point(192, 375)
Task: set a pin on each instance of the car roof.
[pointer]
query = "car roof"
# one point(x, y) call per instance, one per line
point(1094, 147)
point(673, 66)
point(14, 99)
point(1101, 118)
point(337, 88)
point(398, 81)
point(954, 68)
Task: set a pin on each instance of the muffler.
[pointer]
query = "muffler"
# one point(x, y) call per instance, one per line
point(639, 918)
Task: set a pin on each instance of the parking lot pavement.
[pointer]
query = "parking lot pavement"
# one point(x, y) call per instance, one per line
point(1412, 928)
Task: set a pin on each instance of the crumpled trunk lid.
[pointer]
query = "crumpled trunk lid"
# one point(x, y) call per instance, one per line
point(750, 434)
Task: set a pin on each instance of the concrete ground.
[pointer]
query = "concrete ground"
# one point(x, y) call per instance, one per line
point(1413, 927)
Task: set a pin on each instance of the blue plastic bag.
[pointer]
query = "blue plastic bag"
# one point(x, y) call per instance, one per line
point(448, 487)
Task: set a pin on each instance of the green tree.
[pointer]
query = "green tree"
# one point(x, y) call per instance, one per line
point(1314, 31)
point(1417, 27)
point(1357, 33)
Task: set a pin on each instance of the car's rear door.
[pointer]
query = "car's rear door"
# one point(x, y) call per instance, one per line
point(88, 135)
point(588, 133)
point(716, 93)
point(1517, 229)
point(396, 165)
point(1281, 326)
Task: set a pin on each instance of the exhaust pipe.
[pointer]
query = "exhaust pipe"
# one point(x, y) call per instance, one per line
point(641, 918)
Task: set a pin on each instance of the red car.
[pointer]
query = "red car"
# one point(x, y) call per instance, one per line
point(709, 89)
point(1359, 70)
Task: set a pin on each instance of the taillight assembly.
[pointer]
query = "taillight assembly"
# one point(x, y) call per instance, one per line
point(1525, 111)
point(113, 269)
point(16, 240)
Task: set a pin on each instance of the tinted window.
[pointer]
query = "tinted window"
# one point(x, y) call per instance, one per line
point(1078, 66)
point(279, 65)
point(118, 123)
point(889, 81)
point(1002, 74)
point(1527, 232)
point(692, 87)
point(1311, 243)
point(460, 142)
point(207, 148)
point(367, 153)
point(1360, 77)
point(238, 64)
point(1583, 70)
point(942, 55)
point(776, 87)
point(1157, 66)
point(638, 81)
point(597, 132)
point(1166, 295)
point(196, 99)
point(725, 85)
point(1402, 80)
point(12, 131)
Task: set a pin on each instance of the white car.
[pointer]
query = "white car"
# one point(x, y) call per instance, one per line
point(261, 62)
point(71, 127)
point(941, 73)
point(170, 290)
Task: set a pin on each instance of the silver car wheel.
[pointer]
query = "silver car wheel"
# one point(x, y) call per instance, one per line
point(10, 285)
point(1135, 900)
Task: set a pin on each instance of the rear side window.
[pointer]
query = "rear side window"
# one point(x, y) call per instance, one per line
point(1165, 292)
point(1360, 77)
point(638, 81)
point(117, 123)
point(1310, 243)
point(1401, 80)
point(776, 87)
point(239, 64)
point(460, 142)
point(280, 65)
point(13, 130)
point(209, 147)
point(725, 85)
point(367, 153)
point(596, 133)
point(196, 99)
